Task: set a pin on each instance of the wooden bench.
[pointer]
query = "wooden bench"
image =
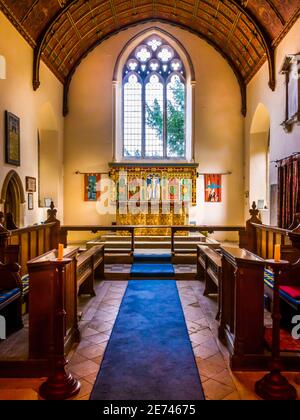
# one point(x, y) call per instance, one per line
point(209, 268)
point(90, 265)
point(11, 296)
point(43, 295)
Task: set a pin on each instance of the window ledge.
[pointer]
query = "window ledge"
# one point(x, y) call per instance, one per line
point(163, 164)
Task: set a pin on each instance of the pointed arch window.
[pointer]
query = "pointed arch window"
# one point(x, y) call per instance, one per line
point(154, 102)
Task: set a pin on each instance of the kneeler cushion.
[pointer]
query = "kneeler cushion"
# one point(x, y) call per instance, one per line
point(293, 291)
point(287, 342)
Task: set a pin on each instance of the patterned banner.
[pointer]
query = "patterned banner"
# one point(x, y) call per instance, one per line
point(92, 187)
point(213, 188)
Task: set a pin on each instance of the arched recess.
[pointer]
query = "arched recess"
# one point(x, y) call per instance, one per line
point(13, 197)
point(49, 165)
point(240, 79)
point(260, 159)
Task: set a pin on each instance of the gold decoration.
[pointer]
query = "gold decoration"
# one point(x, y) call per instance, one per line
point(158, 218)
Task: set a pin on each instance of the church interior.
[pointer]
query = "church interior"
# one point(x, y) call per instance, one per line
point(150, 200)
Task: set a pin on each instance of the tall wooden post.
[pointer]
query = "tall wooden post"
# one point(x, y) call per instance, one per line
point(274, 386)
point(55, 233)
point(250, 229)
point(60, 385)
point(4, 235)
point(295, 238)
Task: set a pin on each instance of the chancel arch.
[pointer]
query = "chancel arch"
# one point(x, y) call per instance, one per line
point(260, 160)
point(153, 80)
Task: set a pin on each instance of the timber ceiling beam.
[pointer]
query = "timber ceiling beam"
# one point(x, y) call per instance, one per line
point(65, 7)
point(240, 79)
point(240, 5)
point(267, 41)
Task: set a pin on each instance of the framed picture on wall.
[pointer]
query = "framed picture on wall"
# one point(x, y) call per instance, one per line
point(12, 139)
point(30, 201)
point(30, 184)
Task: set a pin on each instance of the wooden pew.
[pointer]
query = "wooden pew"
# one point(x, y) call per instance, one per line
point(242, 326)
point(90, 265)
point(213, 271)
point(209, 269)
point(209, 265)
point(42, 302)
point(242, 307)
point(11, 296)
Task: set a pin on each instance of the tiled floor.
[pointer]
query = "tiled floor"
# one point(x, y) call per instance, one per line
point(99, 315)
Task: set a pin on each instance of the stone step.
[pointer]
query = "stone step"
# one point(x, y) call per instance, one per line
point(150, 245)
point(115, 238)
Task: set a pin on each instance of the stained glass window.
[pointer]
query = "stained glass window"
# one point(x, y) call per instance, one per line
point(154, 102)
point(132, 117)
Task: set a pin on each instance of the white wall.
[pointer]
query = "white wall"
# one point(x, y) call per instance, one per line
point(282, 144)
point(218, 127)
point(18, 97)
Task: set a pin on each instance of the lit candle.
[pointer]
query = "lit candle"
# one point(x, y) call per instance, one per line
point(60, 254)
point(277, 253)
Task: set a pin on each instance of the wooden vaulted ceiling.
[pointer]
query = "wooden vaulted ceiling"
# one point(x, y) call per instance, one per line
point(62, 32)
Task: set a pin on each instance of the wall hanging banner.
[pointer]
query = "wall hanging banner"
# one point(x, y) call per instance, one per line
point(213, 188)
point(92, 187)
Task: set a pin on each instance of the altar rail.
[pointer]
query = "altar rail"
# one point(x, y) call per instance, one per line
point(174, 229)
point(265, 239)
point(22, 245)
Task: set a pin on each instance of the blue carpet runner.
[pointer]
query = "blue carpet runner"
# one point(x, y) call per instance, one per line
point(152, 266)
point(149, 355)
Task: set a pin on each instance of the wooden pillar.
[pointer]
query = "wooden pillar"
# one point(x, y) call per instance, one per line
point(173, 230)
point(4, 235)
point(295, 237)
point(251, 239)
point(60, 385)
point(55, 231)
point(242, 306)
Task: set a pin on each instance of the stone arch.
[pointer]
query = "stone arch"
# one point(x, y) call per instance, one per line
point(13, 190)
point(118, 83)
point(259, 158)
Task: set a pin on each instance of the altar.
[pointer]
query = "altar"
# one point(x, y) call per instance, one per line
point(154, 195)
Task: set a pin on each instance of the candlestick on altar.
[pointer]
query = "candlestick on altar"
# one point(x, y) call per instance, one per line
point(274, 386)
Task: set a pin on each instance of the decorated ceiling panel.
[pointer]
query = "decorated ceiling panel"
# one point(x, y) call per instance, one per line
point(62, 32)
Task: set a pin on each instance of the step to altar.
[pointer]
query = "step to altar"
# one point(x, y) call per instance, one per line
point(192, 237)
point(123, 272)
point(182, 244)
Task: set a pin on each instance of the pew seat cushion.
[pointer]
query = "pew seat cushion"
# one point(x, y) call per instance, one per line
point(293, 291)
point(269, 278)
point(287, 342)
point(25, 282)
point(8, 294)
point(290, 293)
